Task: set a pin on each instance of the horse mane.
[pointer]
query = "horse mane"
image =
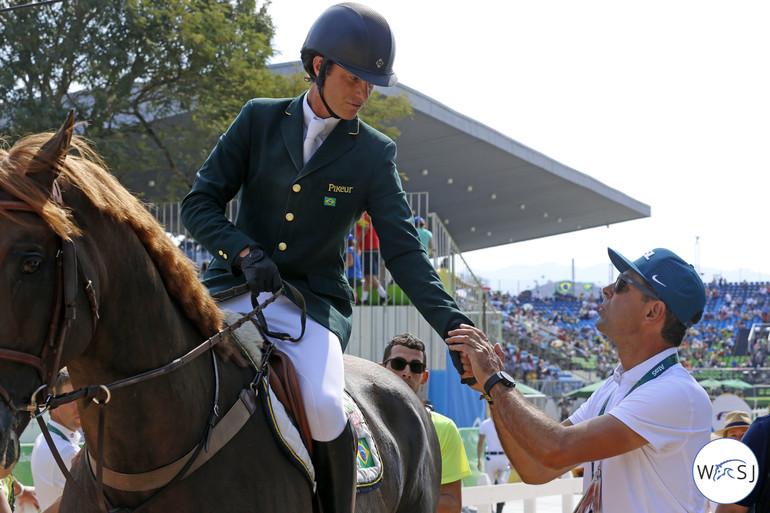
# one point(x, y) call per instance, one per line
point(86, 171)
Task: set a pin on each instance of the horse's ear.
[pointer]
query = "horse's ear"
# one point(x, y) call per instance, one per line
point(56, 148)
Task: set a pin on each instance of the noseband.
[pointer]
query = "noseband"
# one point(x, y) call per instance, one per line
point(64, 312)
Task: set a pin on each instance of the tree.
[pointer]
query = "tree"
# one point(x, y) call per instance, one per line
point(156, 80)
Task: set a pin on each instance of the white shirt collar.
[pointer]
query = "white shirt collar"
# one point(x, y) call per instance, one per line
point(308, 116)
point(628, 378)
point(72, 436)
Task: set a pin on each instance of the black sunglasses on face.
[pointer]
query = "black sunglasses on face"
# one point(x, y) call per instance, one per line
point(399, 364)
point(620, 286)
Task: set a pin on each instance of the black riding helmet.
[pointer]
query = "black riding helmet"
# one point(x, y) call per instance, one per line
point(355, 37)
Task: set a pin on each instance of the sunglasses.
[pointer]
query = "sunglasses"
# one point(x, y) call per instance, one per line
point(399, 364)
point(620, 286)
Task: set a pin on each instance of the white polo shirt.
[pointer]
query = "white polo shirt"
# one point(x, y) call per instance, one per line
point(673, 413)
point(48, 478)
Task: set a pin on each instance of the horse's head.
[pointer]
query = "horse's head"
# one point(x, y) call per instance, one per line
point(34, 273)
point(73, 241)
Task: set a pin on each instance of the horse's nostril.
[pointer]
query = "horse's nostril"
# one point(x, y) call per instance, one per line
point(9, 450)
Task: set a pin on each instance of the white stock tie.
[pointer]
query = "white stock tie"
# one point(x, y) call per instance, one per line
point(310, 145)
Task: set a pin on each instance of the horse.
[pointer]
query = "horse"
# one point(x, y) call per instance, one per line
point(92, 281)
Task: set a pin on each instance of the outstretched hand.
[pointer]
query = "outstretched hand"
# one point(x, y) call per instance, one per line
point(479, 358)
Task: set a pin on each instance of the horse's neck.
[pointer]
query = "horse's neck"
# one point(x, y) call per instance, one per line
point(140, 329)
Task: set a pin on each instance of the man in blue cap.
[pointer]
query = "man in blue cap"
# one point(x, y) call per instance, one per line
point(640, 432)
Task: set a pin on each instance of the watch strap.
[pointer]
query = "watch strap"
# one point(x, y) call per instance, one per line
point(495, 378)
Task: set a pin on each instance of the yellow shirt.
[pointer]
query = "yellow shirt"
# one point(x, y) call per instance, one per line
point(6, 485)
point(454, 462)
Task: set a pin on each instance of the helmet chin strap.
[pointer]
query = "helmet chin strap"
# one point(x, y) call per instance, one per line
point(319, 81)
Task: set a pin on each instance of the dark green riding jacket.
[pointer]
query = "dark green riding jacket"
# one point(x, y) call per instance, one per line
point(302, 214)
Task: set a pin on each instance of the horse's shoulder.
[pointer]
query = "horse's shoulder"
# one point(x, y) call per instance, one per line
point(366, 368)
point(363, 375)
point(360, 367)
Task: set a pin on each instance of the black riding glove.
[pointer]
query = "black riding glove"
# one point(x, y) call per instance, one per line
point(260, 271)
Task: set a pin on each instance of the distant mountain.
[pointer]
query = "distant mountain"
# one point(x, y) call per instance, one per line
point(517, 278)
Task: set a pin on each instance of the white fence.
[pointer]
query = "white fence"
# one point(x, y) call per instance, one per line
point(485, 497)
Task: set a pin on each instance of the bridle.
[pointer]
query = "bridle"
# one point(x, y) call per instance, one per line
point(218, 430)
point(64, 312)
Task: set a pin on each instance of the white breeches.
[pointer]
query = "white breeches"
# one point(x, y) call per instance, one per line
point(317, 359)
point(497, 467)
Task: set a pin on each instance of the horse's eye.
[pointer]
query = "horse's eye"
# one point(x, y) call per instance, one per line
point(31, 264)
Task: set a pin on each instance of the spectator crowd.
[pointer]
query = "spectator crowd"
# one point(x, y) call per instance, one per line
point(562, 327)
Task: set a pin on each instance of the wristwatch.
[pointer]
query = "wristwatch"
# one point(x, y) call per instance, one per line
point(501, 377)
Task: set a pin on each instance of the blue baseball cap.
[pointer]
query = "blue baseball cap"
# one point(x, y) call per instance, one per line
point(418, 219)
point(676, 282)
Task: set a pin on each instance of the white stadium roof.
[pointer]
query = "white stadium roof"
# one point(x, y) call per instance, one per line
point(489, 189)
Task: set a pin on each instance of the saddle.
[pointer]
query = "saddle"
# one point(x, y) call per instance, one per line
point(282, 403)
point(281, 376)
point(285, 385)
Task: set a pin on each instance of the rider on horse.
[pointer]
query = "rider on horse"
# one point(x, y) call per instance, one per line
point(298, 203)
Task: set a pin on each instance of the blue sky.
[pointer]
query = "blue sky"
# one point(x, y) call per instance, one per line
point(668, 102)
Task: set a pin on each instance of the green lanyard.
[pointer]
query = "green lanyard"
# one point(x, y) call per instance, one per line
point(653, 373)
point(57, 432)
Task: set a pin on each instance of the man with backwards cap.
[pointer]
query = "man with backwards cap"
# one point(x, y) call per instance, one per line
point(640, 432)
point(305, 169)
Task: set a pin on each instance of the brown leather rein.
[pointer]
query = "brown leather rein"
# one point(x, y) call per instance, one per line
point(217, 433)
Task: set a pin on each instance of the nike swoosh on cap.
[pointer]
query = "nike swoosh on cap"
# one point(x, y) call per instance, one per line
point(656, 280)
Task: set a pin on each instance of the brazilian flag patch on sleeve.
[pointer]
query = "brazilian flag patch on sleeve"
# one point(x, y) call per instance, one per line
point(330, 201)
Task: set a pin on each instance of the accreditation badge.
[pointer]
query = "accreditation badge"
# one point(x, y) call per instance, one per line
point(592, 499)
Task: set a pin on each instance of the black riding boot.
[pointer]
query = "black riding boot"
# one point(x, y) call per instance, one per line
point(335, 471)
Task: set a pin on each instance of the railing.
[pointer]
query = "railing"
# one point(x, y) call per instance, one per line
point(556, 388)
point(485, 497)
point(469, 291)
point(752, 375)
point(538, 349)
point(374, 325)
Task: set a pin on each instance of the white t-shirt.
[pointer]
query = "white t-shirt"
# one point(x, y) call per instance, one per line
point(48, 478)
point(487, 429)
point(673, 413)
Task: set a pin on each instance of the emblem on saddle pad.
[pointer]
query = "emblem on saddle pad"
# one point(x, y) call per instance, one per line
point(369, 461)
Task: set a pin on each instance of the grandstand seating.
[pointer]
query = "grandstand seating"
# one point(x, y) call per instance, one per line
point(548, 336)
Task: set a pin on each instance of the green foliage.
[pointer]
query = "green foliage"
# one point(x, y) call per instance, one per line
point(157, 81)
point(126, 66)
point(382, 112)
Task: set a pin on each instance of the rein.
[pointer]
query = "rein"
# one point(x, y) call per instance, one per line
point(216, 434)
